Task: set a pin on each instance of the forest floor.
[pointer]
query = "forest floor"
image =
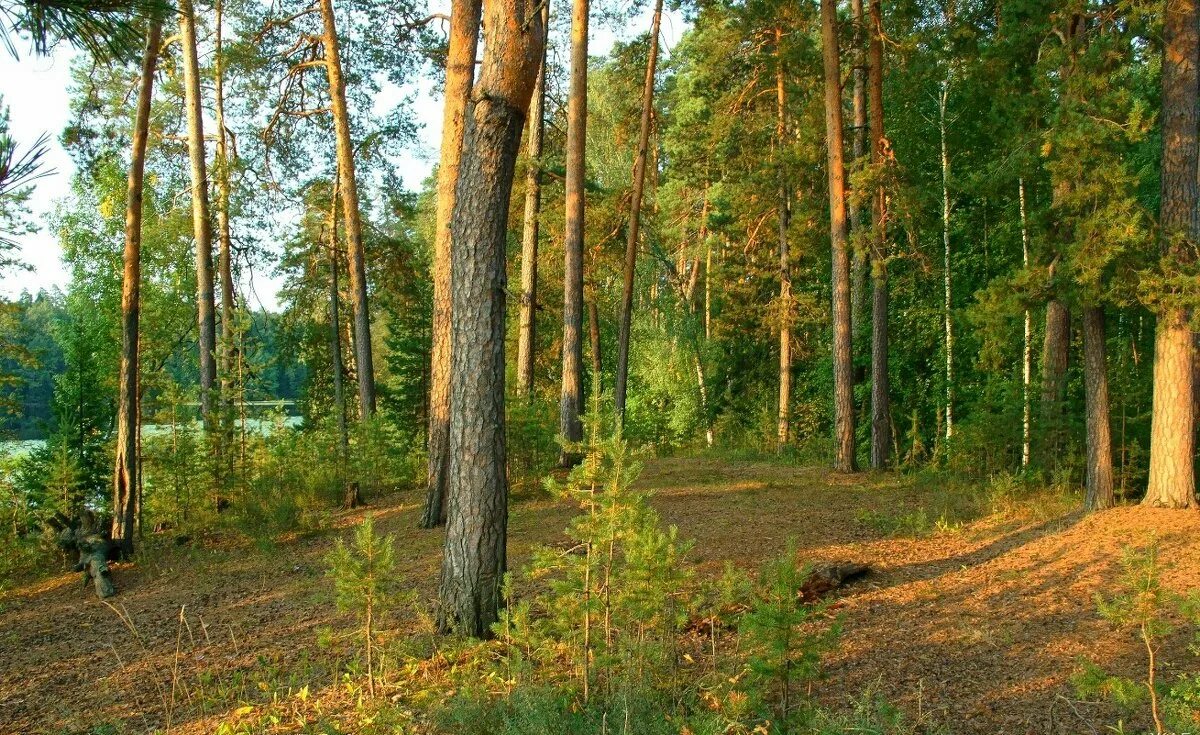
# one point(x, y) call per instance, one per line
point(976, 623)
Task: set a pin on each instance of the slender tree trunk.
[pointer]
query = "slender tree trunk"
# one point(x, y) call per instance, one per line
point(881, 422)
point(126, 481)
point(947, 276)
point(635, 211)
point(474, 562)
point(228, 350)
point(783, 433)
point(1099, 432)
point(843, 354)
point(201, 223)
point(335, 350)
point(859, 219)
point(460, 74)
point(351, 216)
point(571, 402)
point(527, 338)
point(1172, 481)
point(1027, 351)
point(594, 336)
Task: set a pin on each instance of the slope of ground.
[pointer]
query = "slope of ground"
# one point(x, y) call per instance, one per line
point(981, 624)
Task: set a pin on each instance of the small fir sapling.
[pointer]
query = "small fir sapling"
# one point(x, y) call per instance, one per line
point(785, 636)
point(1152, 613)
point(365, 583)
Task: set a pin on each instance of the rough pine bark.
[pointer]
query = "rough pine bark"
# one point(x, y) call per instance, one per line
point(635, 211)
point(460, 74)
point(843, 355)
point(1172, 481)
point(784, 428)
point(125, 482)
point(1056, 344)
point(1099, 432)
point(201, 222)
point(351, 215)
point(527, 334)
point(571, 402)
point(474, 561)
point(881, 421)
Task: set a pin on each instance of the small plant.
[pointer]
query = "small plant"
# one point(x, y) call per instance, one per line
point(1151, 612)
point(365, 583)
point(786, 635)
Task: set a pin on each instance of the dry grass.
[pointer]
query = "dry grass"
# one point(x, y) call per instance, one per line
point(982, 622)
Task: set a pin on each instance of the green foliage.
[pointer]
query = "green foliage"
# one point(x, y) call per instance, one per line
point(1151, 612)
point(365, 584)
point(785, 636)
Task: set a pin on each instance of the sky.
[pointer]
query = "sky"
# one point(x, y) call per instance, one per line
point(35, 89)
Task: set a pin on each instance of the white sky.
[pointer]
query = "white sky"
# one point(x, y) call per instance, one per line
point(35, 89)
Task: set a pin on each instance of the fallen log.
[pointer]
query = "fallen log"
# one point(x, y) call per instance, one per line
point(828, 576)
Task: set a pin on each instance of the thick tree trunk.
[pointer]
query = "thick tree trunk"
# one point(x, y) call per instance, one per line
point(527, 335)
point(351, 215)
point(201, 223)
point(474, 562)
point(460, 74)
point(571, 401)
point(859, 218)
point(843, 355)
point(881, 420)
point(1055, 356)
point(635, 211)
point(1172, 481)
point(125, 482)
point(1099, 432)
point(783, 433)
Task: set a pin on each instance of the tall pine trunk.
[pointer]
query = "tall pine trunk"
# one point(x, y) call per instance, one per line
point(335, 346)
point(351, 216)
point(784, 428)
point(881, 420)
point(527, 334)
point(1172, 481)
point(859, 219)
point(843, 355)
point(125, 482)
point(201, 222)
point(1099, 432)
point(571, 400)
point(460, 74)
point(474, 562)
point(635, 211)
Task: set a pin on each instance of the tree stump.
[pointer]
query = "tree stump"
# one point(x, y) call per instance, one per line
point(93, 562)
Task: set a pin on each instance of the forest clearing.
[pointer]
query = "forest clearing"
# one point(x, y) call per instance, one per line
point(980, 626)
point(534, 367)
